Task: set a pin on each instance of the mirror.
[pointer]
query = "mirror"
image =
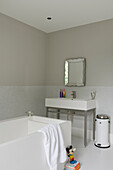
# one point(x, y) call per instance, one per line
point(75, 72)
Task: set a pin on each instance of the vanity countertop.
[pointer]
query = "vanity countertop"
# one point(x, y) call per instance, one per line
point(69, 103)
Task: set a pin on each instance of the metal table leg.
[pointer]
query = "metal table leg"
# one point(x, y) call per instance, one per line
point(58, 114)
point(94, 113)
point(85, 129)
point(46, 111)
point(68, 115)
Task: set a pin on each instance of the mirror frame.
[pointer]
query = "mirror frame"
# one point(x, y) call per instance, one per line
point(66, 71)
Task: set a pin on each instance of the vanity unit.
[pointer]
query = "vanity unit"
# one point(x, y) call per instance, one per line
point(79, 107)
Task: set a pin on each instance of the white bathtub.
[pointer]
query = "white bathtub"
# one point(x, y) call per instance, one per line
point(21, 146)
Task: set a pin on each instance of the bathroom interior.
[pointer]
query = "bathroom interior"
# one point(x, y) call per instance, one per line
point(33, 53)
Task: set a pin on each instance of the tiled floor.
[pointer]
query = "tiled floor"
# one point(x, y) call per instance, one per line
point(91, 157)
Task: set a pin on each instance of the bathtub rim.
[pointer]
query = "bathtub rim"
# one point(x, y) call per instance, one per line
point(59, 121)
point(12, 119)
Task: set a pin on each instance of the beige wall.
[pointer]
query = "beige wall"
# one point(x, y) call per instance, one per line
point(22, 53)
point(29, 56)
point(93, 41)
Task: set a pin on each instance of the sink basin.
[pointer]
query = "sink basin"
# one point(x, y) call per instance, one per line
point(69, 103)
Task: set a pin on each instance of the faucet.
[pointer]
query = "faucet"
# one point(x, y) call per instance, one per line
point(93, 94)
point(73, 94)
point(29, 113)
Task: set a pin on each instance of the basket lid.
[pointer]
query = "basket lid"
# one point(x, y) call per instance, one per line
point(102, 117)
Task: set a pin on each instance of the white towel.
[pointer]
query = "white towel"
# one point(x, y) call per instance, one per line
point(54, 145)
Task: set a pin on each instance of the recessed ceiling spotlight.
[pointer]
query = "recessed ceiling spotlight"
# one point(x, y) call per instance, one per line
point(49, 18)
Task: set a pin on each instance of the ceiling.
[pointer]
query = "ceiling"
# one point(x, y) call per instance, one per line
point(65, 13)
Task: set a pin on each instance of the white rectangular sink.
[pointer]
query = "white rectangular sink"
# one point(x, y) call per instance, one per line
point(68, 103)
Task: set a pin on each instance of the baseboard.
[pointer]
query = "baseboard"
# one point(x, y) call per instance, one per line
point(80, 133)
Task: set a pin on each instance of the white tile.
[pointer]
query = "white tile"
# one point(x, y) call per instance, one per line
point(16, 100)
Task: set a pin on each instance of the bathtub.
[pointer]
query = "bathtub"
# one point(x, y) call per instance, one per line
point(21, 146)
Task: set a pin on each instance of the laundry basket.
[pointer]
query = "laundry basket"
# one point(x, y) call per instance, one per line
point(102, 131)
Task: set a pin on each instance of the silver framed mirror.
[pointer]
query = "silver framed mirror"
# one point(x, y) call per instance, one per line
point(75, 72)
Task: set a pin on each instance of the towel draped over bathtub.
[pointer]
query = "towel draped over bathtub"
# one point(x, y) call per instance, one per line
point(54, 145)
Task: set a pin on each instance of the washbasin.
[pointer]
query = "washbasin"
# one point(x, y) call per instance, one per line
point(76, 99)
point(70, 103)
